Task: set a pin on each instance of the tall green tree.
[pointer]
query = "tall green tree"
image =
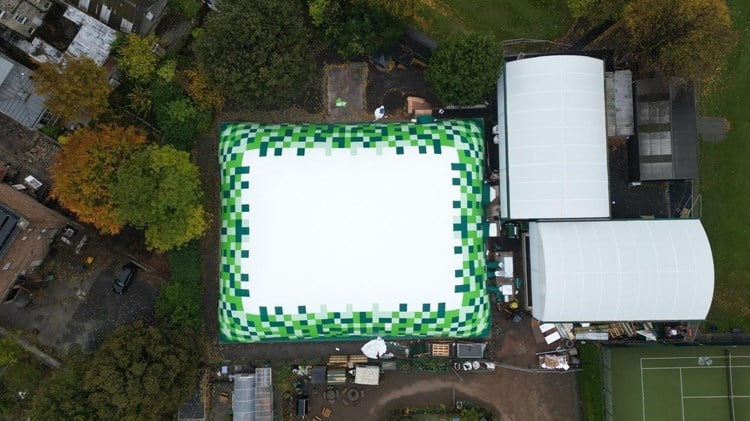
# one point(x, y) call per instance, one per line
point(136, 58)
point(359, 27)
point(75, 90)
point(257, 52)
point(690, 38)
point(142, 373)
point(158, 189)
point(464, 69)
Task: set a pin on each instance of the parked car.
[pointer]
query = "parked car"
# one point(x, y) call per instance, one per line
point(122, 280)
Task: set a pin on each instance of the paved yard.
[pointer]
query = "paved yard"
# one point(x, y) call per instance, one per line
point(76, 310)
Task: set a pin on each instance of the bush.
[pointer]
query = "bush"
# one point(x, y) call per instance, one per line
point(179, 303)
point(463, 70)
point(179, 119)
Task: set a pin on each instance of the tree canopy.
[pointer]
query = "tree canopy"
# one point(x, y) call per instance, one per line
point(358, 27)
point(136, 59)
point(84, 169)
point(159, 190)
point(258, 52)
point(690, 38)
point(78, 89)
point(139, 373)
point(597, 11)
point(464, 69)
point(62, 395)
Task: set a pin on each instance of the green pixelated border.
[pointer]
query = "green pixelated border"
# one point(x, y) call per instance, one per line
point(433, 320)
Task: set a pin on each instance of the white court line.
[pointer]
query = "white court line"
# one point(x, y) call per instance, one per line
point(682, 397)
point(643, 393)
point(731, 385)
point(716, 397)
point(699, 366)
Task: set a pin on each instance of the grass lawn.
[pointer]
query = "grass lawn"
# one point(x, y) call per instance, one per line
point(590, 380)
point(506, 19)
point(725, 173)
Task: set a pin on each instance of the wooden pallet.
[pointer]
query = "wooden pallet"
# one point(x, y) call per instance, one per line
point(440, 350)
point(357, 359)
point(338, 360)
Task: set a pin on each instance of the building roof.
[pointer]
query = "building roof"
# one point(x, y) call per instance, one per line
point(666, 124)
point(17, 99)
point(94, 39)
point(620, 270)
point(253, 396)
point(553, 154)
point(137, 16)
point(8, 229)
point(350, 231)
point(367, 375)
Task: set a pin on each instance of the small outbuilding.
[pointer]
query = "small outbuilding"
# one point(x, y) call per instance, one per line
point(367, 375)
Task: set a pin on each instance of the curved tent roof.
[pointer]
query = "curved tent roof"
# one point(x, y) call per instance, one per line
point(554, 163)
point(620, 270)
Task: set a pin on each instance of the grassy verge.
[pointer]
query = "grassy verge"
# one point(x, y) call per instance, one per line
point(591, 381)
point(506, 19)
point(724, 176)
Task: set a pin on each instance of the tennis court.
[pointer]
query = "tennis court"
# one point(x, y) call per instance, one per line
point(662, 383)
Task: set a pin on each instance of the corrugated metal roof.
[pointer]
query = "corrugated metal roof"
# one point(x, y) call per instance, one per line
point(93, 40)
point(667, 129)
point(253, 396)
point(17, 99)
point(243, 400)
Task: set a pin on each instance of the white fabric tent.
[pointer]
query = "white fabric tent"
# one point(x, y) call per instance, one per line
point(553, 156)
point(620, 270)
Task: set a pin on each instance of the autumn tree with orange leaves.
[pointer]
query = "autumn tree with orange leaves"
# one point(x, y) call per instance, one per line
point(84, 169)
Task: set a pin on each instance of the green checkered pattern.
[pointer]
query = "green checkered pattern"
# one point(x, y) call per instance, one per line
point(462, 139)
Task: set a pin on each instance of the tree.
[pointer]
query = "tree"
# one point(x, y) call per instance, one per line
point(358, 27)
point(196, 85)
point(464, 69)
point(159, 190)
point(597, 11)
point(62, 396)
point(257, 52)
point(75, 90)
point(136, 59)
point(84, 169)
point(140, 100)
point(181, 121)
point(141, 372)
point(690, 38)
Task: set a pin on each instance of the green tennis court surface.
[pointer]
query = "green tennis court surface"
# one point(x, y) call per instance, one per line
point(697, 383)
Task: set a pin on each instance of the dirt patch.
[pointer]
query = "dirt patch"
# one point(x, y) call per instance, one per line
point(345, 91)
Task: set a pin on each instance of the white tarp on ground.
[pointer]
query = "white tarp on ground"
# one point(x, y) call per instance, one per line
point(553, 158)
point(367, 374)
point(620, 270)
point(375, 348)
